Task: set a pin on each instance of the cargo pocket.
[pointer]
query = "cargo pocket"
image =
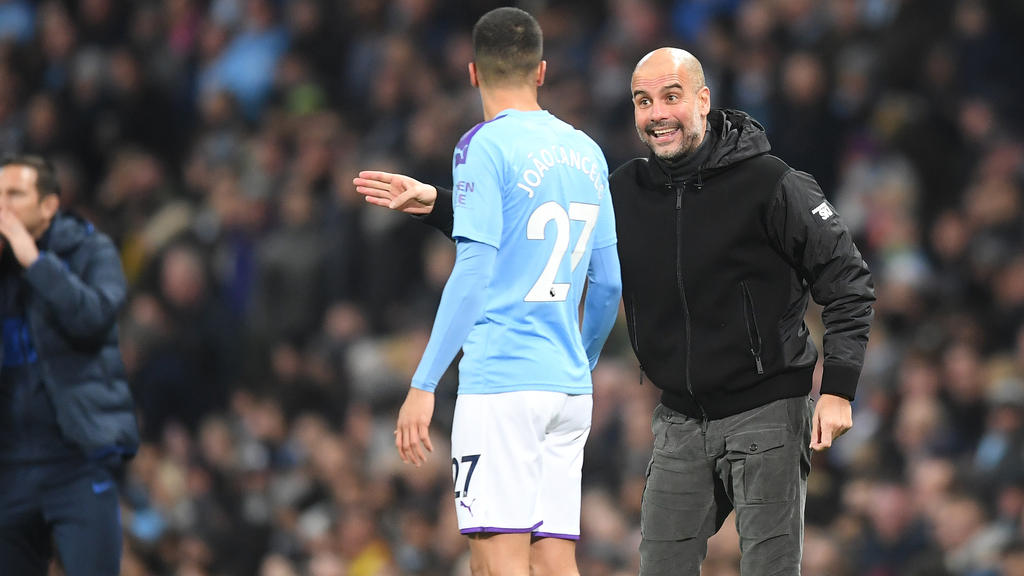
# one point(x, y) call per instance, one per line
point(764, 468)
point(663, 519)
point(673, 507)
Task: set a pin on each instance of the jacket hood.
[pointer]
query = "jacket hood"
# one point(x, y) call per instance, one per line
point(735, 136)
point(66, 232)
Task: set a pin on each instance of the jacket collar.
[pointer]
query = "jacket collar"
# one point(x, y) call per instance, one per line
point(66, 232)
point(732, 136)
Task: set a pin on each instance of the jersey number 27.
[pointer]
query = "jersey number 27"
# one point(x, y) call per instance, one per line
point(545, 289)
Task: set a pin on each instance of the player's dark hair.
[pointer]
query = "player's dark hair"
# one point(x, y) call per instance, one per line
point(46, 174)
point(507, 45)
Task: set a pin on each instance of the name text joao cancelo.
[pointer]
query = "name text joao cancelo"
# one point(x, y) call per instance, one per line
point(548, 158)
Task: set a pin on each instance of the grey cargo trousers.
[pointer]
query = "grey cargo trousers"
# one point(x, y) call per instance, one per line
point(755, 462)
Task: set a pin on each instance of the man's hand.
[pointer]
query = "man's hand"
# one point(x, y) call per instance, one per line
point(412, 434)
point(17, 237)
point(833, 416)
point(396, 191)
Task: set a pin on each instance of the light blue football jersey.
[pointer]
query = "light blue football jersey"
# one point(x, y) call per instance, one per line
point(536, 189)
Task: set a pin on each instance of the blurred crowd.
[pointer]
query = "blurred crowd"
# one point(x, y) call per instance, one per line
point(275, 319)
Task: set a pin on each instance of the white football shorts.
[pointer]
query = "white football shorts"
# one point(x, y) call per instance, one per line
point(517, 462)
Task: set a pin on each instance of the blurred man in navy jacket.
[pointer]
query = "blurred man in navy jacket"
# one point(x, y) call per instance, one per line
point(66, 413)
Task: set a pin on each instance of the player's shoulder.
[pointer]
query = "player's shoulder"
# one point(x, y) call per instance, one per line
point(567, 127)
point(482, 132)
point(579, 137)
point(483, 135)
point(587, 141)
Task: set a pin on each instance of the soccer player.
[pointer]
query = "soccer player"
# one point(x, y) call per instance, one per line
point(532, 222)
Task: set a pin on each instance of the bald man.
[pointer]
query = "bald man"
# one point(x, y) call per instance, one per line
point(721, 246)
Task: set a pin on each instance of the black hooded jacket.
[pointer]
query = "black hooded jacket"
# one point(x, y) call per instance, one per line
point(718, 260)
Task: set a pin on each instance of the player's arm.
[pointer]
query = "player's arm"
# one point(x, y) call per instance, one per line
point(433, 205)
point(604, 287)
point(462, 304)
point(602, 304)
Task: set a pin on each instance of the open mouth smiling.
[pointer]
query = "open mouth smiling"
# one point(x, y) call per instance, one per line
point(663, 133)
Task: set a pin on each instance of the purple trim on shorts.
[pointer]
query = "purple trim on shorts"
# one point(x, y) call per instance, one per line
point(553, 535)
point(500, 530)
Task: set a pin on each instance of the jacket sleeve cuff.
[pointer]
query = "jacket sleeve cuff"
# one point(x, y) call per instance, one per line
point(442, 216)
point(840, 380)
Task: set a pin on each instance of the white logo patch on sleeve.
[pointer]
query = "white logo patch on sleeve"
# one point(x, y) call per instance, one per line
point(823, 210)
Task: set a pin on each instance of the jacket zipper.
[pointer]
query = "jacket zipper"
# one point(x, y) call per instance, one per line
point(632, 326)
point(24, 341)
point(753, 334)
point(633, 338)
point(682, 295)
point(44, 370)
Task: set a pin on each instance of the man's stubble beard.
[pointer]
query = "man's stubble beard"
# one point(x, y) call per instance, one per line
point(689, 144)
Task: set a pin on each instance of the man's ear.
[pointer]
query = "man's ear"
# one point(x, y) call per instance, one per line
point(704, 100)
point(49, 204)
point(541, 71)
point(474, 80)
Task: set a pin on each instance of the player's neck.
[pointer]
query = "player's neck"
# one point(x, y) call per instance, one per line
point(516, 98)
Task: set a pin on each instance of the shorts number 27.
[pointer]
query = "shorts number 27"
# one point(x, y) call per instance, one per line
point(472, 459)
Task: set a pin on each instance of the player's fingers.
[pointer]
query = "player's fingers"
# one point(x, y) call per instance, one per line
point(384, 178)
point(408, 456)
point(385, 202)
point(425, 434)
point(371, 187)
point(375, 187)
point(415, 451)
point(403, 199)
point(374, 193)
point(399, 439)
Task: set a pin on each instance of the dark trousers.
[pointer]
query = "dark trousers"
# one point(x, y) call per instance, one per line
point(755, 462)
point(72, 504)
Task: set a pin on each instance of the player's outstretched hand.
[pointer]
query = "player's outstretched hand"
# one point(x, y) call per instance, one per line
point(396, 191)
point(833, 416)
point(412, 434)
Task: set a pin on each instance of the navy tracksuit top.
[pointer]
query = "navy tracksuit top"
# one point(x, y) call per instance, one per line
point(28, 421)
